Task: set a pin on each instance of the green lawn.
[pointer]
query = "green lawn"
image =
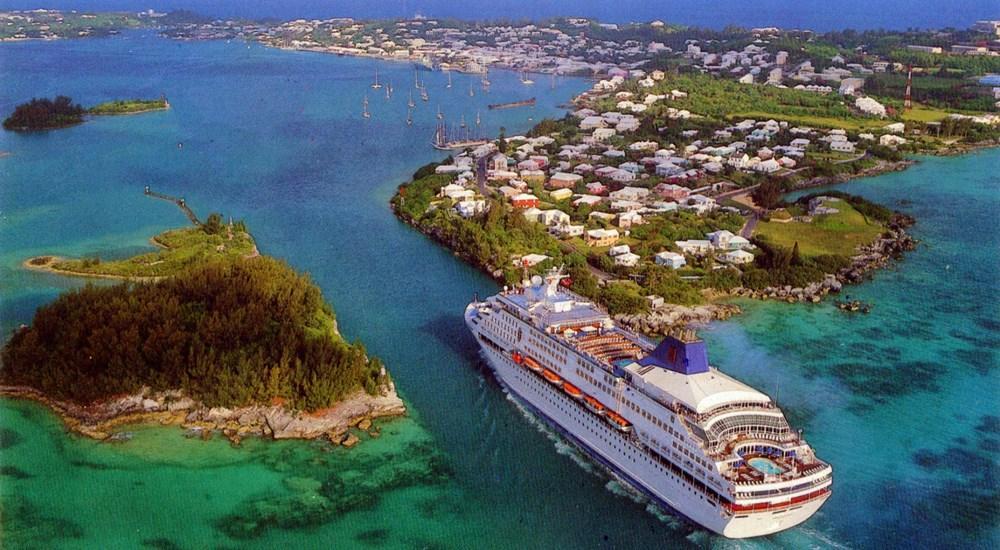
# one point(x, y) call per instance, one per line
point(839, 233)
point(182, 248)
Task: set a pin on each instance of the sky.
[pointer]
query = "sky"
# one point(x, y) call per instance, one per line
point(814, 14)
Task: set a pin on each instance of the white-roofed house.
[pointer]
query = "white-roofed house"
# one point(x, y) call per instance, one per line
point(670, 259)
point(736, 257)
point(695, 247)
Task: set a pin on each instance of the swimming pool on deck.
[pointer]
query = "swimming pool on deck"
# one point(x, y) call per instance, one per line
point(765, 466)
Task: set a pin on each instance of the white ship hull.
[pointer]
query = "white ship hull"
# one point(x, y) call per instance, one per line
point(628, 460)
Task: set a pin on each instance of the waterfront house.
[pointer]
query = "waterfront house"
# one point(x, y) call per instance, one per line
point(529, 260)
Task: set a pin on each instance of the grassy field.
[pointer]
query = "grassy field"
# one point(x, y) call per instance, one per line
point(182, 248)
point(128, 106)
point(839, 233)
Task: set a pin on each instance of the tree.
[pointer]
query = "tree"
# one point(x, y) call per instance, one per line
point(213, 225)
point(502, 140)
point(767, 195)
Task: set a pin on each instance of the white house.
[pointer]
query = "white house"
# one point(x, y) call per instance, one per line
point(529, 260)
point(604, 134)
point(737, 257)
point(670, 259)
point(560, 194)
point(630, 193)
point(696, 247)
point(470, 208)
point(628, 259)
point(720, 239)
point(620, 249)
point(842, 146)
point(553, 217)
point(630, 218)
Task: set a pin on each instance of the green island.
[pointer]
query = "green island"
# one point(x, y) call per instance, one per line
point(180, 249)
point(219, 327)
point(129, 106)
point(45, 114)
point(61, 112)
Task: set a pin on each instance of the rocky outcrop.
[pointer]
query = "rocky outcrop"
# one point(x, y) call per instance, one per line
point(100, 420)
point(669, 316)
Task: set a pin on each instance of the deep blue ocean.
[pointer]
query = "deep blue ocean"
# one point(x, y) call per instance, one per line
point(903, 402)
point(820, 15)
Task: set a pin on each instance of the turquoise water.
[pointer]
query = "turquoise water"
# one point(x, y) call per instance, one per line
point(900, 401)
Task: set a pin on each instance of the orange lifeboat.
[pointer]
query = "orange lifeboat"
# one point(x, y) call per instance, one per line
point(532, 364)
point(594, 405)
point(619, 422)
point(517, 358)
point(572, 390)
point(551, 377)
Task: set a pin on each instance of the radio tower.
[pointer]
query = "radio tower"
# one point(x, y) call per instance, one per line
point(907, 100)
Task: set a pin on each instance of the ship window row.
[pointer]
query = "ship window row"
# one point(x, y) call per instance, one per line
point(650, 455)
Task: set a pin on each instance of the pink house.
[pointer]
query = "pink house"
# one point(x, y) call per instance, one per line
point(671, 191)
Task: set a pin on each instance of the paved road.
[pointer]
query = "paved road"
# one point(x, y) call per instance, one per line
point(601, 275)
point(750, 225)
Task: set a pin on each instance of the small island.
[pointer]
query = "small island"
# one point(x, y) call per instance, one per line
point(180, 249)
point(208, 336)
point(61, 112)
point(129, 106)
point(45, 114)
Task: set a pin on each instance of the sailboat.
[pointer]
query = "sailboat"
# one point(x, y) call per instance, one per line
point(388, 91)
point(449, 80)
point(416, 81)
point(486, 80)
point(409, 117)
point(376, 85)
point(365, 112)
point(525, 80)
point(462, 125)
point(423, 93)
point(440, 115)
point(471, 91)
point(477, 119)
point(410, 103)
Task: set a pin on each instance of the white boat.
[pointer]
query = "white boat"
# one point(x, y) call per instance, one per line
point(376, 85)
point(696, 440)
point(364, 111)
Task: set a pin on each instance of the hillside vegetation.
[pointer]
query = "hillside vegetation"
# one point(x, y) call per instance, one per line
point(229, 333)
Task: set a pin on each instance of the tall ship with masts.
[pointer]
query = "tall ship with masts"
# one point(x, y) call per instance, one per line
point(461, 137)
point(657, 415)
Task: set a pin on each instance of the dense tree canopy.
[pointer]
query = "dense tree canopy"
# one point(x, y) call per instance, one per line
point(41, 114)
point(229, 333)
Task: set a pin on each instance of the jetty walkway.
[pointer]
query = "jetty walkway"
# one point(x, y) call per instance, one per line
point(176, 200)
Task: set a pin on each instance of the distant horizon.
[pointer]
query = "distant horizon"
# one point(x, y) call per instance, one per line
point(817, 15)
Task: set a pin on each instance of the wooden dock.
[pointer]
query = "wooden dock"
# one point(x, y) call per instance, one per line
point(179, 201)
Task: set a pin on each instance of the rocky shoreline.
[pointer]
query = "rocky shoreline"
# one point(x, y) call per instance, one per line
point(876, 255)
point(103, 420)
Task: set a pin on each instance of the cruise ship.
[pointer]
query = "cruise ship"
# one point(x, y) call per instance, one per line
point(699, 442)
